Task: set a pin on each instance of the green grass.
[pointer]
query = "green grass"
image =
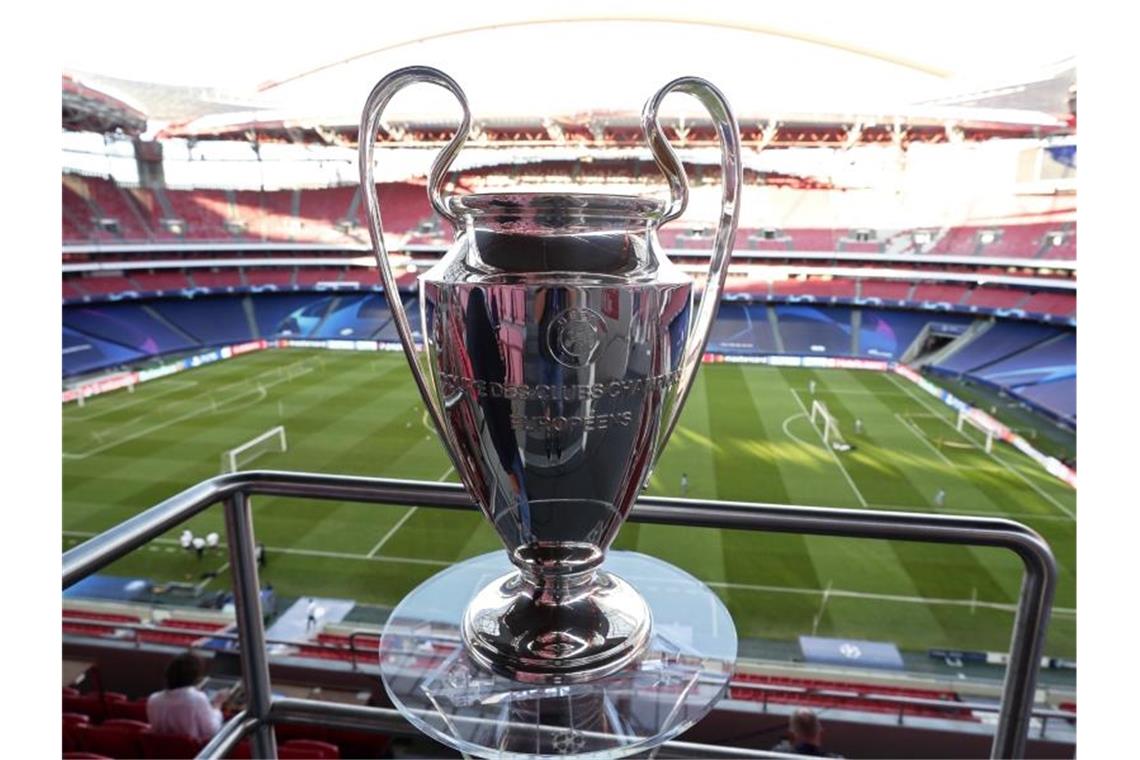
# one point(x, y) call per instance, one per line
point(744, 436)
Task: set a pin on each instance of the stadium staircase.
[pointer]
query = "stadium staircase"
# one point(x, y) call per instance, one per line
point(774, 321)
point(250, 316)
point(977, 329)
point(158, 317)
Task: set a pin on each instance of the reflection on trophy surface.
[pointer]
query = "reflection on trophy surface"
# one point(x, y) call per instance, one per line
point(560, 344)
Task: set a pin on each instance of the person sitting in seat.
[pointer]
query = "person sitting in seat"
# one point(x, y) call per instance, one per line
point(182, 708)
point(806, 736)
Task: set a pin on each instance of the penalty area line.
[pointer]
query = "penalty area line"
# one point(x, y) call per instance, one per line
point(407, 516)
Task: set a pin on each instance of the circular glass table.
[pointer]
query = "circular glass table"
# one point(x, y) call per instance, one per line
point(445, 693)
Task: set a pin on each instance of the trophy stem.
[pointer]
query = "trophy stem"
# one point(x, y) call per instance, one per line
point(556, 628)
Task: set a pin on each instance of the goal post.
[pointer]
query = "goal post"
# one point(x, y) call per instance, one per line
point(965, 419)
point(271, 441)
point(830, 430)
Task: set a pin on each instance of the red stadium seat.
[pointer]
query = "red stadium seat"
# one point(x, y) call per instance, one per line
point(307, 749)
point(169, 746)
point(355, 743)
point(129, 710)
point(87, 704)
point(71, 728)
point(118, 741)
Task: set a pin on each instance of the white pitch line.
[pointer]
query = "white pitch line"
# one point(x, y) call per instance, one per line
point(169, 387)
point(792, 435)
point(289, 550)
point(153, 428)
point(822, 605)
point(842, 469)
point(210, 395)
point(922, 437)
point(990, 454)
point(854, 392)
point(400, 523)
point(834, 592)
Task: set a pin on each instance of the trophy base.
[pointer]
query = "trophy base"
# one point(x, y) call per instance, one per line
point(641, 696)
point(566, 629)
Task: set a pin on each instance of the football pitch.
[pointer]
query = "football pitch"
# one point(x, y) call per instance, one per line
point(745, 435)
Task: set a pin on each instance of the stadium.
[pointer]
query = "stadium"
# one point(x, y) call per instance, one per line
point(897, 334)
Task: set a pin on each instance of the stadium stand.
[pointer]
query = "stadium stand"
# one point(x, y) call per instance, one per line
point(76, 216)
point(388, 332)
point(214, 321)
point(1051, 359)
point(310, 276)
point(937, 293)
point(204, 212)
point(1063, 249)
point(814, 239)
point(814, 329)
point(112, 202)
point(217, 278)
point(1001, 340)
point(1017, 240)
point(887, 334)
point(277, 277)
point(83, 353)
point(994, 297)
point(105, 284)
point(72, 288)
point(1059, 304)
point(272, 311)
point(161, 281)
point(354, 317)
point(129, 325)
point(405, 206)
point(1059, 396)
point(888, 290)
point(742, 329)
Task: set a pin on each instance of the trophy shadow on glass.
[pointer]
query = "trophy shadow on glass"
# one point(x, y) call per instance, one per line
point(559, 347)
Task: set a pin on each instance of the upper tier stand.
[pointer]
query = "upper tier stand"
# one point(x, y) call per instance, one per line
point(447, 695)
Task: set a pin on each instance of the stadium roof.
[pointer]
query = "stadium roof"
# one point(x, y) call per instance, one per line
point(240, 66)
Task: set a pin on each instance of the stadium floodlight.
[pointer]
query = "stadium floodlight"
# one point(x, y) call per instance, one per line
point(830, 433)
point(272, 440)
point(965, 419)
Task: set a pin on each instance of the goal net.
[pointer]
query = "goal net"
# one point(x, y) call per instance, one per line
point(965, 419)
point(830, 427)
point(271, 441)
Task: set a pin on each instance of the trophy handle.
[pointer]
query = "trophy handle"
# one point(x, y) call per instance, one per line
point(377, 101)
point(733, 176)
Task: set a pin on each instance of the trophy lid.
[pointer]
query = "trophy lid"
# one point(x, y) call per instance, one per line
point(556, 213)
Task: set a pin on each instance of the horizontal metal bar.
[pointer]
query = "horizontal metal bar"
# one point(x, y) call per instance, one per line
point(386, 720)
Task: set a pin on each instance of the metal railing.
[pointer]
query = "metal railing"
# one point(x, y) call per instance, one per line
point(263, 710)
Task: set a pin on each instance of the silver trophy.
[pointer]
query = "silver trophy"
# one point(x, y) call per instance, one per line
point(558, 355)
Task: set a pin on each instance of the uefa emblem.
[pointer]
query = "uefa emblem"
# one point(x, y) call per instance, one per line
point(575, 336)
